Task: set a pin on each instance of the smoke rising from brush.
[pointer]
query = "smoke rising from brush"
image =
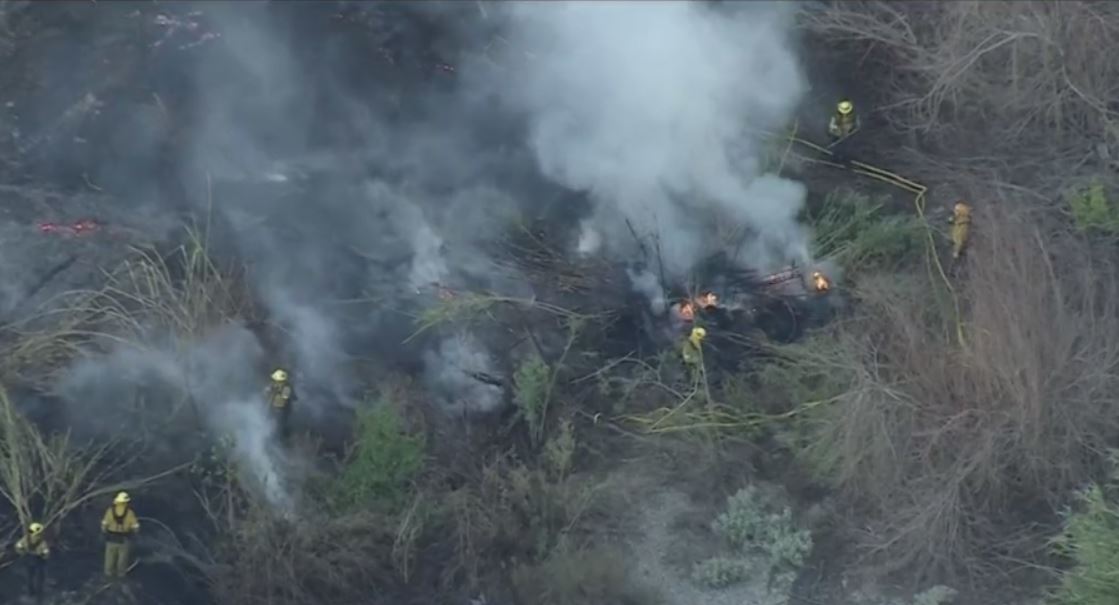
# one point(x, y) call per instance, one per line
point(333, 176)
point(453, 371)
point(214, 377)
point(657, 110)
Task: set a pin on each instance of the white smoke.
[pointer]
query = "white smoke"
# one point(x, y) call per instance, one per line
point(255, 448)
point(428, 266)
point(658, 110)
point(453, 372)
point(215, 376)
point(590, 240)
point(647, 284)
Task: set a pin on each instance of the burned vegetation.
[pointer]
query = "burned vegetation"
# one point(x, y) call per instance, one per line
point(499, 303)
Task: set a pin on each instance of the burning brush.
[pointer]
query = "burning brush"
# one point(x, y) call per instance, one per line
point(685, 310)
point(820, 282)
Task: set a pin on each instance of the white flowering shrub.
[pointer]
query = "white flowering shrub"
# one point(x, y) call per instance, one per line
point(720, 572)
point(763, 541)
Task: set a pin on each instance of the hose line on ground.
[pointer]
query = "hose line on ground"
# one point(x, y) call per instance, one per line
point(919, 191)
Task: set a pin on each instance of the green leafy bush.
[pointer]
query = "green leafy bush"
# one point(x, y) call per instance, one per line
point(720, 572)
point(559, 451)
point(381, 465)
point(1091, 539)
point(937, 595)
point(1092, 210)
point(860, 233)
point(756, 532)
point(530, 394)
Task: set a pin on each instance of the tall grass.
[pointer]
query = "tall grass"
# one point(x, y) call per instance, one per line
point(862, 234)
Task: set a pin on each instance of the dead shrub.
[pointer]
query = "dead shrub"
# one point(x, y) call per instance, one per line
point(945, 442)
point(256, 553)
point(151, 299)
point(1029, 72)
point(308, 561)
point(513, 511)
point(592, 576)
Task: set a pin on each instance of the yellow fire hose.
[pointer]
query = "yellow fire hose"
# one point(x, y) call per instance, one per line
point(919, 191)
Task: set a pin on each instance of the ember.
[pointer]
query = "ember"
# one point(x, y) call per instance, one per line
point(76, 228)
point(820, 282)
point(685, 311)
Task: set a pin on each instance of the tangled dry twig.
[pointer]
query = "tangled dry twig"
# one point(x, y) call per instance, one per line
point(1030, 72)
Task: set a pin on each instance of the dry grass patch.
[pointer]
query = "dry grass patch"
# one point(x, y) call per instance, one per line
point(945, 443)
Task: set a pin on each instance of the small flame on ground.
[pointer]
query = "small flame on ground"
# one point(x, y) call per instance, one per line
point(76, 228)
point(685, 311)
point(820, 282)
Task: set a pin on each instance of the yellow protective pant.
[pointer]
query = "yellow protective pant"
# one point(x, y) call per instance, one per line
point(116, 559)
point(959, 238)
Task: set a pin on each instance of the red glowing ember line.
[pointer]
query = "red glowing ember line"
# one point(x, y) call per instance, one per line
point(76, 228)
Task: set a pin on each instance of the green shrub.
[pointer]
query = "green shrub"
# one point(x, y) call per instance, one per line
point(721, 572)
point(748, 524)
point(1091, 539)
point(860, 233)
point(763, 540)
point(937, 595)
point(559, 451)
point(1092, 210)
point(530, 394)
point(381, 464)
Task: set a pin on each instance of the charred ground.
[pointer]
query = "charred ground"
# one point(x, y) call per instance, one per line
point(485, 411)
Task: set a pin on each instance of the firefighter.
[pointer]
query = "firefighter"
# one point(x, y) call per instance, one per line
point(281, 396)
point(961, 226)
point(119, 525)
point(844, 122)
point(692, 351)
point(35, 551)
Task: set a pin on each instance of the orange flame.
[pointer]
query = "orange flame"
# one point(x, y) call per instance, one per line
point(707, 300)
point(685, 311)
point(820, 282)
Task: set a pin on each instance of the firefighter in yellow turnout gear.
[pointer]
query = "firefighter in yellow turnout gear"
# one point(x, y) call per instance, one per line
point(35, 551)
point(844, 122)
point(281, 396)
point(692, 350)
point(119, 525)
point(961, 228)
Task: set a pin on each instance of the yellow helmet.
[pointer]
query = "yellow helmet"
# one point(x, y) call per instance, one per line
point(845, 107)
point(279, 376)
point(962, 209)
point(122, 498)
point(35, 529)
point(698, 333)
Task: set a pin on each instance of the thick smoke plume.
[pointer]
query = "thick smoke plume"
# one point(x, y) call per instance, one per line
point(334, 178)
point(658, 110)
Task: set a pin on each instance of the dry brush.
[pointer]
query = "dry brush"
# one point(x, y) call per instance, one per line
point(948, 445)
